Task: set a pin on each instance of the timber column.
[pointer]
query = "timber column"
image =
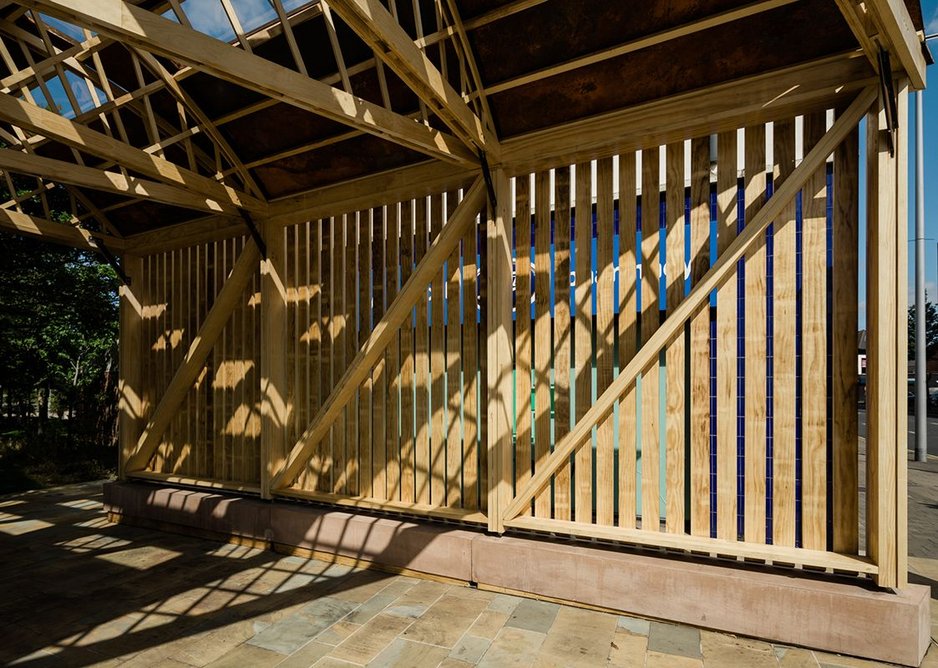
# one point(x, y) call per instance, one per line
point(275, 403)
point(887, 348)
point(499, 351)
point(130, 386)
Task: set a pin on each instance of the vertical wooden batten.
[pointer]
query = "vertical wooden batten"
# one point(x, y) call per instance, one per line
point(844, 312)
point(182, 378)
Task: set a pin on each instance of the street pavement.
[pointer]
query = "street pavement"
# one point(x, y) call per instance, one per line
point(931, 426)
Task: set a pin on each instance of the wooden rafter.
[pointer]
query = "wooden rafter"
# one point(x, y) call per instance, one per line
point(485, 19)
point(309, 12)
point(290, 37)
point(861, 26)
point(41, 228)
point(888, 25)
point(75, 53)
point(336, 47)
point(383, 332)
point(372, 191)
point(381, 31)
point(188, 233)
point(255, 38)
point(698, 296)
point(897, 34)
point(68, 173)
point(148, 31)
point(134, 101)
point(31, 117)
point(470, 61)
point(20, 137)
point(768, 96)
point(266, 33)
point(204, 122)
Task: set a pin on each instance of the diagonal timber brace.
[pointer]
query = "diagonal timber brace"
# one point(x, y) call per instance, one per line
point(674, 324)
point(381, 335)
point(224, 305)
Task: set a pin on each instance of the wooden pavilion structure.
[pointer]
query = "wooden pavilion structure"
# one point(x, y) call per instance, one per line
point(567, 291)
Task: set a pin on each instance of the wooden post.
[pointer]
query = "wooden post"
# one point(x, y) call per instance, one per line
point(500, 363)
point(886, 347)
point(902, 339)
point(130, 386)
point(275, 409)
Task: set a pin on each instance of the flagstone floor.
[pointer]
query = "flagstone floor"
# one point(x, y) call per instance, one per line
point(77, 590)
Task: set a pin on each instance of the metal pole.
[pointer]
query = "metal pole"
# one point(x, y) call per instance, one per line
point(921, 387)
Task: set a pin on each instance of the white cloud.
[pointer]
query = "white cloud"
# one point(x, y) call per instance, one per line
point(931, 20)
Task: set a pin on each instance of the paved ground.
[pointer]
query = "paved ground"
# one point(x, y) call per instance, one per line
point(76, 590)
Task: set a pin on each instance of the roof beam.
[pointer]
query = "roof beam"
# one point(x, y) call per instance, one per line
point(34, 118)
point(470, 61)
point(897, 35)
point(490, 16)
point(765, 97)
point(381, 31)
point(185, 234)
point(153, 33)
point(858, 19)
point(370, 191)
point(60, 233)
point(136, 102)
point(365, 193)
point(89, 177)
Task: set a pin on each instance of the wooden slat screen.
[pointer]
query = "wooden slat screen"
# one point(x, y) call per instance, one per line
point(215, 434)
point(411, 434)
point(743, 429)
point(726, 435)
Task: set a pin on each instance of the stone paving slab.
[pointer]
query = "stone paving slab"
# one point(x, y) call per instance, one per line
point(87, 592)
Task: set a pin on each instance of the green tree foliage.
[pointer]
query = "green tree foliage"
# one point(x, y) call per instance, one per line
point(58, 345)
point(931, 329)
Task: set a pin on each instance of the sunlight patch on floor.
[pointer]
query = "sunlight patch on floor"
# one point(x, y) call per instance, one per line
point(140, 558)
point(23, 527)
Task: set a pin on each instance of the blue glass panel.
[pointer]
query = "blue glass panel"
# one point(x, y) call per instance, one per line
point(208, 16)
point(64, 27)
point(254, 13)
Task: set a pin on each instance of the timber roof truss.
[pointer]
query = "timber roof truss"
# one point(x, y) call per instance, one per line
point(123, 119)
